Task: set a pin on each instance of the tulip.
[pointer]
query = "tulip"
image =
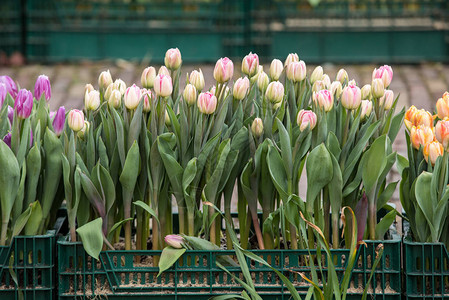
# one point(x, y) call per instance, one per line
point(132, 97)
point(291, 58)
point(296, 71)
point(366, 91)
point(421, 136)
point(442, 132)
point(11, 86)
point(120, 85)
point(432, 150)
point(42, 86)
point(443, 107)
point(387, 100)
point(415, 117)
point(59, 121)
point(385, 73)
point(163, 85)
point(318, 86)
point(115, 100)
point(262, 82)
point(147, 78)
point(367, 108)
point(351, 97)
point(75, 120)
point(3, 93)
point(167, 119)
point(327, 81)
point(342, 76)
point(10, 114)
point(92, 100)
point(89, 87)
point(352, 82)
point(241, 87)
point(173, 59)
point(108, 92)
point(306, 118)
point(7, 139)
point(189, 94)
point(104, 80)
point(250, 64)
point(148, 97)
point(276, 68)
point(275, 92)
point(255, 77)
point(336, 89)
point(317, 74)
point(207, 103)
point(324, 99)
point(377, 88)
point(174, 240)
point(163, 71)
point(257, 127)
point(83, 130)
point(23, 104)
point(197, 79)
point(224, 69)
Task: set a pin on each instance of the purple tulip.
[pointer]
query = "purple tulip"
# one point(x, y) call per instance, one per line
point(11, 86)
point(24, 104)
point(59, 121)
point(10, 114)
point(7, 139)
point(42, 86)
point(3, 92)
point(52, 115)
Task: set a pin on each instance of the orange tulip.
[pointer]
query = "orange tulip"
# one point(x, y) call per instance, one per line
point(421, 136)
point(432, 150)
point(442, 132)
point(415, 117)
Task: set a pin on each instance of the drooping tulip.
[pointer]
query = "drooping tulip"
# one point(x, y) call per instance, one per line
point(174, 241)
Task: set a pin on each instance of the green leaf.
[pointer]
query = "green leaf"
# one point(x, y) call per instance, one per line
point(33, 162)
point(168, 257)
point(277, 172)
point(117, 225)
point(21, 221)
point(92, 194)
point(384, 224)
point(147, 208)
point(374, 164)
point(32, 226)
point(92, 237)
point(286, 149)
point(319, 170)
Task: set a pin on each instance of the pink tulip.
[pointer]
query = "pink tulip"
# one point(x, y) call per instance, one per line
point(163, 85)
point(351, 97)
point(385, 73)
point(306, 118)
point(324, 99)
point(11, 86)
point(224, 69)
point(207, 103)
point(59, 121)
point(23, 104)
point(250, 64)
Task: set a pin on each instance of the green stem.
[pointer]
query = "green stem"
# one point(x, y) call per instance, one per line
point(335, 233)
point(244, 235)
point(127, 234)
point(4, 231)
point(326, 211)
point(372, 216)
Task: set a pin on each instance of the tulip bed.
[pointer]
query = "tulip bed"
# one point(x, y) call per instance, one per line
point(136, 154)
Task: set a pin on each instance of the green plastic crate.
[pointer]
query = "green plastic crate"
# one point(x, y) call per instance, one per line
point(121, 274)
point(34, 265)
point(426, 270)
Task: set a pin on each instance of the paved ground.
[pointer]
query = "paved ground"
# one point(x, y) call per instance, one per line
point(420, 85)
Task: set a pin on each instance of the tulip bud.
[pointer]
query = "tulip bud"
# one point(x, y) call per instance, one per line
point(421, 136)
point(59, 121)
point(296, 71)
point(377, 88)
point(366, 91)
point(443, 107)
point(207, 103)
point(241, 87)
point(336, 89)
point(317, 74)
point(275, 92)
point(254, 78)
point(147, 78)
point(23, 104)
point(306, 118)
point(120, 85)
point(291, 58)
point(352, 82)
point(442, 132)
point(189, 94)
point(83, 130)
point(3, 93)
point(132, 97)
point(163, 85)
point(318, 86)
point(324, 99)
point(197, 79)
point(415, 117)
point(257, 127)
point(163, 71)
point(7, 139)
point(167, 119)
point(432, 150)
point(147, 99)
point(174, 240)
point(262, 82)
point(104, 79)
point(108, 92)
point(92, 100)
point(342, 76)
point(11, 86)
point(224, 69)
point(387, 100)
point(385, 73)
point(10, 114)
point(75, 120)
point(367, 108)
point(88, 88)
point(327, 81)
point(250, 64)
point(115, 100)
point(173, 59)
point(351, 97)
point(277, 105)
point(276, 69)
point(42, 86)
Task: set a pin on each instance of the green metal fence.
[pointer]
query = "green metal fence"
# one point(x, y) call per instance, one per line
point(333, 30)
